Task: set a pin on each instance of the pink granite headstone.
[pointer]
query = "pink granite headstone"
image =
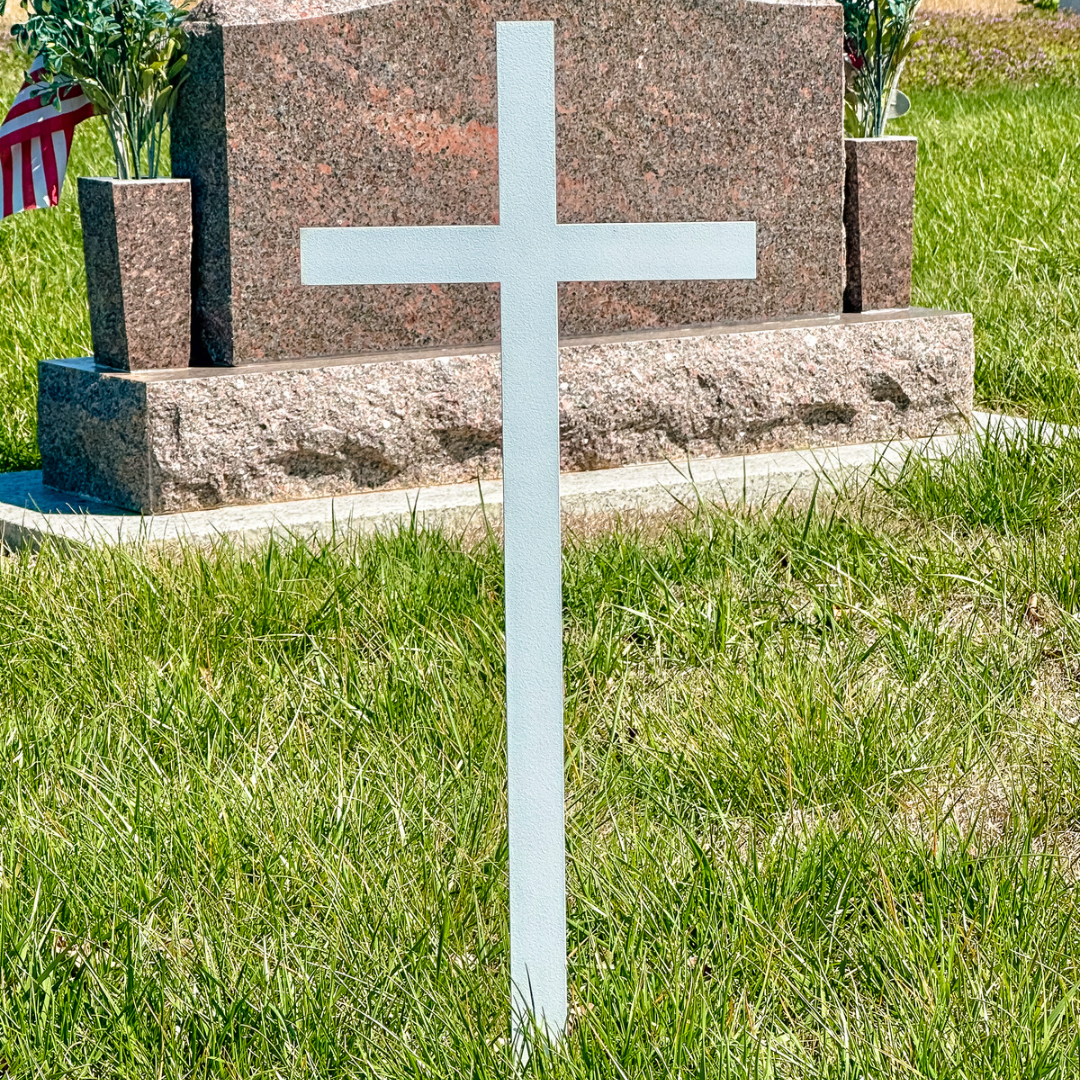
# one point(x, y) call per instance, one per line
point(347, 112)
point(327, 113)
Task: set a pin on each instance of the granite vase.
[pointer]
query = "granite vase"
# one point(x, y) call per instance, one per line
point(137, 247)
point(879, 207)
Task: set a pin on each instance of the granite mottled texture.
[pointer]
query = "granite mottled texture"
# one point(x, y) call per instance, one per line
point(198, 151)
point(384, 114)
point(32, 515)
point(94, 433)
point(137, 247)
point(879, 209)
point(278, 431)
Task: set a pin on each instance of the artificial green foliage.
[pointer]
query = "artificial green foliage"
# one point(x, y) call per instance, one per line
point(878, 36)
point(128, 58)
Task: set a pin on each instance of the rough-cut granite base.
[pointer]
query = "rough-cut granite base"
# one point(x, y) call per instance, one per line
point(137, 247)
point(879, 219)
point(171, 440)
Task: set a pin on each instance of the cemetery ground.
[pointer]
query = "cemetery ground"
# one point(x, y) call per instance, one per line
point(823, 796)
point(823, 769)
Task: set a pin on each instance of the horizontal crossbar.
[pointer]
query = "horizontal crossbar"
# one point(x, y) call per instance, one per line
point(445, 254)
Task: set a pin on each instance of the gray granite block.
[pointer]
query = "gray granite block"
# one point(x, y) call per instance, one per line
point(199, 151)
point(93, 433)
point(879, 219)
point(31, 514)
point(183, 440)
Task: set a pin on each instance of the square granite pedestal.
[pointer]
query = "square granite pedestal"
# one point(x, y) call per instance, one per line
point(196, 438)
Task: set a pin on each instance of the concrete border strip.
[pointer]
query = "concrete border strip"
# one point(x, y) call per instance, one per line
point(30, 513)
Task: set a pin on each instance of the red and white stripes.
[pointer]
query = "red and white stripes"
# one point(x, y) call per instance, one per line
point(35, 140)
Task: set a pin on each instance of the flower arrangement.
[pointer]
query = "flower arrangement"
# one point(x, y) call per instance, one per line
point(878, 36)
point(127, 56)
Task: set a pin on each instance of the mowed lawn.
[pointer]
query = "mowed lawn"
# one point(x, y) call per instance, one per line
point(823, 797)
point(997, 233)
point(823, 763)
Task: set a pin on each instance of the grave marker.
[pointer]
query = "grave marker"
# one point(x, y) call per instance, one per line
point(529, 253)
point(328, 113)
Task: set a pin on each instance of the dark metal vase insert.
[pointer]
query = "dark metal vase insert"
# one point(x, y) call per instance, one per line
point(137, 246)
point(879, 206)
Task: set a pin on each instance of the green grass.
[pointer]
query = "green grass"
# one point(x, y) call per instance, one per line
point(997, 233)
point(43, 310)
point(823, 798)
point(965, 52)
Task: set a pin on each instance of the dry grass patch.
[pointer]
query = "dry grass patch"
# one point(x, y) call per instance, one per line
point(9, 18)
point(1000, 8)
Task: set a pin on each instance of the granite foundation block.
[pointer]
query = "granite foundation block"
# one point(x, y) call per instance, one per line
point(168, 441)
point(353, 113)
point(879, 222)
point(137, 246)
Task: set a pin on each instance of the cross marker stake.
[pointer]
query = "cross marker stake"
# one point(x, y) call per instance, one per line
point(529, 253)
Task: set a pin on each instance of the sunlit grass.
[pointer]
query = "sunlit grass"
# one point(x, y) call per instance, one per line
point(1019, 45)
point(997, 233)
point(822, 797)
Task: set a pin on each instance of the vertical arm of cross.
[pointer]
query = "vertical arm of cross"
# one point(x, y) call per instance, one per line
point(526, 89)
point(531, 527)
point(529, 253)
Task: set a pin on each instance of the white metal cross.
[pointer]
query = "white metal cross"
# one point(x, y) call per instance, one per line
point(529, 253)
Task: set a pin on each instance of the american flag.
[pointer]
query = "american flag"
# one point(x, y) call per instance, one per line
point(35, 140)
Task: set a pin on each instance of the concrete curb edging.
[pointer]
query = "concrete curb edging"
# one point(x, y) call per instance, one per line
point(31, 513)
